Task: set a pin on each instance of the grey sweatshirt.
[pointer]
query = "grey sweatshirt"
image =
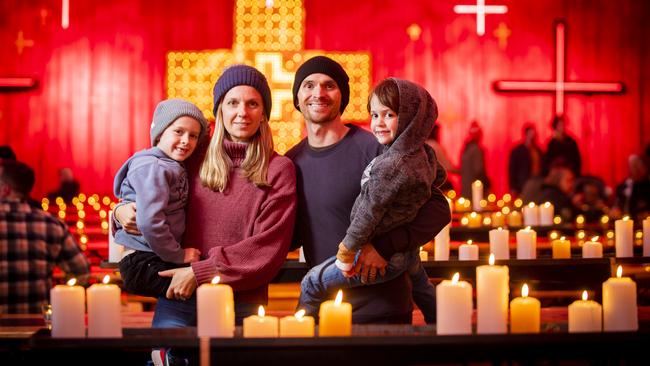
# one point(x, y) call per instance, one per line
point(397, 183)
point(158, 186)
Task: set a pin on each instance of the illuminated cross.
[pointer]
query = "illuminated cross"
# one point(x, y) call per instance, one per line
point(65, 14)
point(13, 84)
point(502, 33)
point(559, 86)
point(21, 43)
point(269, 36)
point(480, 9)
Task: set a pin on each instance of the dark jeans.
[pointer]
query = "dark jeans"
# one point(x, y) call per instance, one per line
point(139, 271)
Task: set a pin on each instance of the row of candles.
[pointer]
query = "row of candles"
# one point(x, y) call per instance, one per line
point(455, 306)
point(215, 314)
point(216, 310)
point(526, 243)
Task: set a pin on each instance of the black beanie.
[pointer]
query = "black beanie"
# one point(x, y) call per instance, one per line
point(329, 67)
point(242, 75)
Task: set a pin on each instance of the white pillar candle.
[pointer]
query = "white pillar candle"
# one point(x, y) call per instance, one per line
point(561, 248)
point(441, 245)
point(619, 303)
point(525, 313)
point(592, 249)
point(454, 307)
point(492, 298)
point(646, 237)
point(477, 195)
point(115, 250)
point(297, 325)
point(68, 310)
point(624, 237)
point(468, 252)
point(526, 243)
point(215, 310)
point(260, 325)
point(531, 215)
point(424, 255)
point(585, 316)
point(335, 318)
point(104, 310)
point(500, 243)
point(546, 212)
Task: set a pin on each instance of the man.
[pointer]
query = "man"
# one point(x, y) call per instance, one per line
point(329, 165)
point(562, 149)
point(525, 160)
point(31, 243)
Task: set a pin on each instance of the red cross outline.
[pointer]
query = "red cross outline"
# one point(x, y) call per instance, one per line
point(559, 86)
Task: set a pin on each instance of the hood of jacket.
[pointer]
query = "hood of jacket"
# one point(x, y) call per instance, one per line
point(153, 153)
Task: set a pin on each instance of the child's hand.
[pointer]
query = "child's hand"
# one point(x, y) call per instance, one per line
point(191, 255)
point(345, 258)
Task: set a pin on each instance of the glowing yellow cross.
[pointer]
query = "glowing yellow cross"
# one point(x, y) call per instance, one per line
point(270, 37)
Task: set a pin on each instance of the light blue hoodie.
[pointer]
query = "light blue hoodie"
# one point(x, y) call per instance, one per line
point(158, 186)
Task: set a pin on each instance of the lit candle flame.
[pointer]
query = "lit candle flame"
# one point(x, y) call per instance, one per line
point(595, 238)
point(532, 204)
point(473, 214)
point(626, 218)
point(478, 183)
point(455, 278)
point(215, 280)
point(528, 228)
point(469, 242)
point(71, 282)
point(547, 204)
point(500, 228)
point(106, 279)
point(524, 290)
point(491, 260)
point(299, 314)
point(562, 238)
point(339, 298)
point(585, 295)
point(619, 271)
point(260, 311)
point(421, 248)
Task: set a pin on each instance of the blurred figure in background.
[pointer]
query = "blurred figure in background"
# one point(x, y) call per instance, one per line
point(472, 161)
point(562, 149)
point(633, 194)
point(525, 160)
point(443, 158)
point(68, 186)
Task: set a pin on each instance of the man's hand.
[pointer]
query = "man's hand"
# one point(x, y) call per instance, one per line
point(125, 215)
point(368, 263)
point(183, 283)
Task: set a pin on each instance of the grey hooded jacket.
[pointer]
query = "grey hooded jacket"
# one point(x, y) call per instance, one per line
point(397, 183)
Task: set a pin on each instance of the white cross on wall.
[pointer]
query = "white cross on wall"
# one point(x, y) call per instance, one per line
point(480, 9)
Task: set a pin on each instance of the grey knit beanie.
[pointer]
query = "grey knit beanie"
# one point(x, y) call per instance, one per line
point(329, 67)
point(169, 111)
point(236, 75)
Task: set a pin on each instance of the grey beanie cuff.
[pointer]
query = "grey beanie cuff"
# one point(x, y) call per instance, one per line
point(236, 75)
point(169, 111)
point(329, 67)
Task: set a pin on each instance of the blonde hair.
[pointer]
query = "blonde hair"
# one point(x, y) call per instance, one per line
point(216, 166)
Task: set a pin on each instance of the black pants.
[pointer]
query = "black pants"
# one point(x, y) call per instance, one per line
point(139, 271)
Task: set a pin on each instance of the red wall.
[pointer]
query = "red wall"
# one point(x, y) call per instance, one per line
point(100, 79)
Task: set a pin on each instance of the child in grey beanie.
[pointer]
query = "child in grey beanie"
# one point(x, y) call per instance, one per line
point(156, 180)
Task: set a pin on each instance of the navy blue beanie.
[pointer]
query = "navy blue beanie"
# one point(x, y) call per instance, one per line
point(329, 67)
point(242, 75)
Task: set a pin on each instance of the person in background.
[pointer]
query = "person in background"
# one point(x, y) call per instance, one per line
point(557, 188)
point(68, 186)
point(32, 242)
point(6, 152)
point(443, 157)
point(472, 161)
point(562, 149)
point(633, 194)
point(525, 160)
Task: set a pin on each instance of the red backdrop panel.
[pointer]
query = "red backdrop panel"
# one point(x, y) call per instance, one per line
point(100, 78)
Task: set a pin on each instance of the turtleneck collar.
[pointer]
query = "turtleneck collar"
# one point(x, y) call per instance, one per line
point(235, 150)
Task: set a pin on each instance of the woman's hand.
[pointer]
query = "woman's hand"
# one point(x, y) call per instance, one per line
point(125, 215)
point(183, 283)
point(368, 263)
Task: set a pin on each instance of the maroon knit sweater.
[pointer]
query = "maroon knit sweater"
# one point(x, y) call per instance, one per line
point(243, 233)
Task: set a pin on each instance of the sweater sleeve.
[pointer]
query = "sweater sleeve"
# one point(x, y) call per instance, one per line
point(431, 218)
point(254, 261)
point(151, 185)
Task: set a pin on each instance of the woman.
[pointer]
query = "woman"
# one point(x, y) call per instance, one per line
point(241, 207)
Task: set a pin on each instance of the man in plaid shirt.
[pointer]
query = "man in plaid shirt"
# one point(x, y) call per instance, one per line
point(31, 243)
